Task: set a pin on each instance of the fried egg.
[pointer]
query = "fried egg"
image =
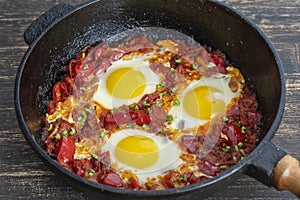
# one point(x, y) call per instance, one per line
point(203, 100)
point(125, 82)
point(145, 154)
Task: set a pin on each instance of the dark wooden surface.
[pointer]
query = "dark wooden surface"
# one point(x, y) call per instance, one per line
point(24, 176)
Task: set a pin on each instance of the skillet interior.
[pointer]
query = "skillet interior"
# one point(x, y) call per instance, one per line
point(205, 21)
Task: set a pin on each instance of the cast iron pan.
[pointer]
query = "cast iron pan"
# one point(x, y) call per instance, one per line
point(62, 31)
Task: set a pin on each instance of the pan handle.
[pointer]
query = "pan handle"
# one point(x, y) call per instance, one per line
point(286, 175)
point(45, 21)
point(275, 168)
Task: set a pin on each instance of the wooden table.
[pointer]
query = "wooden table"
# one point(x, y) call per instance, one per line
point(24, 176)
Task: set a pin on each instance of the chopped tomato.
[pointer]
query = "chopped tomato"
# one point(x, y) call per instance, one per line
point(81, 166)
point(65, 150)
point(62, 90)
point(140, 117)
point(168, 179)
point(218, 58)
point(134, 185)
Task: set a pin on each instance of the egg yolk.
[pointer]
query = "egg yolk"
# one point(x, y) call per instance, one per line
point(126, 83)
point(204, 102)
point(137, 151)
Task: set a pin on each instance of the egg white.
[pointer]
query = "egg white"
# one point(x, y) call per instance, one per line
point(165, 162)
point(138, 63)
point(182, 120)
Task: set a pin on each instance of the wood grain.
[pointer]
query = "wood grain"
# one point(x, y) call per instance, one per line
point(287, 175)
point(24, 176)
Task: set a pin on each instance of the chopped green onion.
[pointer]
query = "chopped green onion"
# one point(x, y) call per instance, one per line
point(50, 127)
point(144, 126)
point(82, 119)
point(128, 125)
point(226, 149)
point(169, 118)
point(82, 88)
point(73, 131)
point(103, 133)
point(204, 153)
point(162, 94)
point(173, 70)
point(225, 119)
point(136, 107)
point(90, 175)
point(243, 152)
point(171, 93)
point(161, 85)
point(239, 124)
point(234, 159)
point(83, 55)
point(163, 132)
point(64, 132)
point(57, 136)
point(86, 66)
point(176, 102)
point(95, 156)
point(243, 129)
point(178, 61)
point(185, 177)
point(145, 103)
point(135, 126)
point(223, 167)
point(240, 144)
point(195, 66)
point(148, 111)
point(159, 103)
point(89, 110)
point(217, 164)
point(56, 126)
point(242, 158)
point(236, 148)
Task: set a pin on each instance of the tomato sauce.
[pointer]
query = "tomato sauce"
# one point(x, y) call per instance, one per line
point(233, 138)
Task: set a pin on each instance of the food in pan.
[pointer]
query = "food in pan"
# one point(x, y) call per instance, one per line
point(151, 115)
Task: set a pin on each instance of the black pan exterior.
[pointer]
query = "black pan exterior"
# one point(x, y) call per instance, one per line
point(208, 22)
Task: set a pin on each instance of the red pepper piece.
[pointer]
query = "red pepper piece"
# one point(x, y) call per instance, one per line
point(112, 179)
point(190, 143)
point(208, 168)
point(235, 134)
point(118, 118)
point(65, 150)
